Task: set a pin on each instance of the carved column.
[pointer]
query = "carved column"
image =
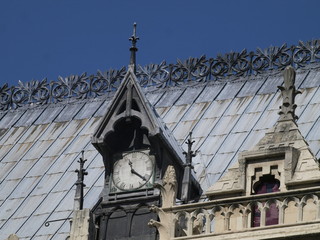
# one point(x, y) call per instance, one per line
point(168, 190)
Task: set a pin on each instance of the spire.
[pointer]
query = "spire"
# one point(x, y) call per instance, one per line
point(78, 199)
point(133, 48)
point(288, 92)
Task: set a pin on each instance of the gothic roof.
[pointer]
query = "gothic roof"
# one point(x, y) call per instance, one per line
point(44, 126)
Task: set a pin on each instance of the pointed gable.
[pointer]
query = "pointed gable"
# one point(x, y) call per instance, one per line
point(131, 119)
point(130, 102)
point(282, 153)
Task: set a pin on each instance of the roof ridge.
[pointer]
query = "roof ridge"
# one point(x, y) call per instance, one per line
point(227, 67)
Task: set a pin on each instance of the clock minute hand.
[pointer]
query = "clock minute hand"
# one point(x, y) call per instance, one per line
point(136, 173)
point(142, 177)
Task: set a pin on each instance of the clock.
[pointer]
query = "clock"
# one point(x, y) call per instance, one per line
point(133, 171)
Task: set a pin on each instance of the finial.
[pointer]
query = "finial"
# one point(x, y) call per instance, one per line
point(288, 92)
point(78, 205)
point(133, 48)
point(186, 182)
point(190, 154)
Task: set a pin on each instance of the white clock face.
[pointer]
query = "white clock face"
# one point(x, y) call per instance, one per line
point(133, 171)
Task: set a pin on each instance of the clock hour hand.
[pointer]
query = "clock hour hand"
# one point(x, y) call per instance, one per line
point(136, 173)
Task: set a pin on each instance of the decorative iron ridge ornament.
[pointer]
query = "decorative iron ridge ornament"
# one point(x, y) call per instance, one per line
point(161, 75)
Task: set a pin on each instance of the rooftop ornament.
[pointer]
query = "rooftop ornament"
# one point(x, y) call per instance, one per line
point(226, 67)
point(288, 92)
point(78, 199)
point(133, 48)
point(186, 182)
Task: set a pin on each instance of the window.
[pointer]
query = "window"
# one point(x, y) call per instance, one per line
point(266, 184)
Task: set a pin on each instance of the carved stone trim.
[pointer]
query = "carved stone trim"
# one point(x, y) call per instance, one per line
point(161, 75)
point(168, 189)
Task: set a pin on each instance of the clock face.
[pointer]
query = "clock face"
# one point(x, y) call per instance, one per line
point(133, 171)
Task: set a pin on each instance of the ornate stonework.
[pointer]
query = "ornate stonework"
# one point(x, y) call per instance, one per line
point(168, 189)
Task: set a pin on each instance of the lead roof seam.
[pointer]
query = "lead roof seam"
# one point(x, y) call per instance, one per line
point(67, 192)
point(88, 122)
point(318, 118)
point(262, 112)
point(88, 191)
point(228, 134)
point(35, 163)
point(13, 145)
point(204, 112)
point(12, 123)
point(184, 114)
point(237, 152)
point(33, 122)
point(55, 183)
point(301, 84)
point(27, 150)
point(24, 178)
point(156, 102)
point(220, 116)
point(182, 92)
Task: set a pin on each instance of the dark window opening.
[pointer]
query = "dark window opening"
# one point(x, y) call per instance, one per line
point(128, 135)
point(135, 105)
point(266, 184)
point(122, 108)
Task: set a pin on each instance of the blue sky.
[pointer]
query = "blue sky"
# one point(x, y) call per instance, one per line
point(51, 38)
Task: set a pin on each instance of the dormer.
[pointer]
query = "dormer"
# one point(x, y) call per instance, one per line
point(282, 156)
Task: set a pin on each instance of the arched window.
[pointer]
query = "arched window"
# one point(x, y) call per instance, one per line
point(266, 184)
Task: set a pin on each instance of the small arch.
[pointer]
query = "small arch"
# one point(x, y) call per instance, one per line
point(272, 212)
point(290, 210)
point(309, 207)
point(180, 222)
point(235, 217)
point(266, 184)
point(139, 223)
point(256, 214)
point(117, 224)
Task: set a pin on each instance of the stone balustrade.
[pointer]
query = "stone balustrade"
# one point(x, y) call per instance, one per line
point(238, 214)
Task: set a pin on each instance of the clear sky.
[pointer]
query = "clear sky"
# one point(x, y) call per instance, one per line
point(51, 38)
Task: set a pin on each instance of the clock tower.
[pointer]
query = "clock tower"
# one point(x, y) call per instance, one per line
point(137, 148)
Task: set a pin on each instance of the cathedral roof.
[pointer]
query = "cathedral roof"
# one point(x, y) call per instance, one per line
point(228, 103)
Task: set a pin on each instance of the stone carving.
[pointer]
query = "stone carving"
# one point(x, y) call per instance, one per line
point(168, 189)
point(161, 75)
point(82, 226)
point(221, 217)
point(289, 92)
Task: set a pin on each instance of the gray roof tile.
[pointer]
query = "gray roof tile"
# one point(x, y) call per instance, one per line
point(312, 80)
point(251, 87)
point(169, 98)
point(49, 114)
point(37, 162)
point(29, 117)
point(270, 85)
point(210, 92)
point(231, 90)
point(11, 118)
point(69, 112)
point(189, 95)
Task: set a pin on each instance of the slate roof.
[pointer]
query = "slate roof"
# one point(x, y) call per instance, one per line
point(40, 145)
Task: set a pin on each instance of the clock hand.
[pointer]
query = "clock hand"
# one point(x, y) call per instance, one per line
point(142, 177)
point(135, 172)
